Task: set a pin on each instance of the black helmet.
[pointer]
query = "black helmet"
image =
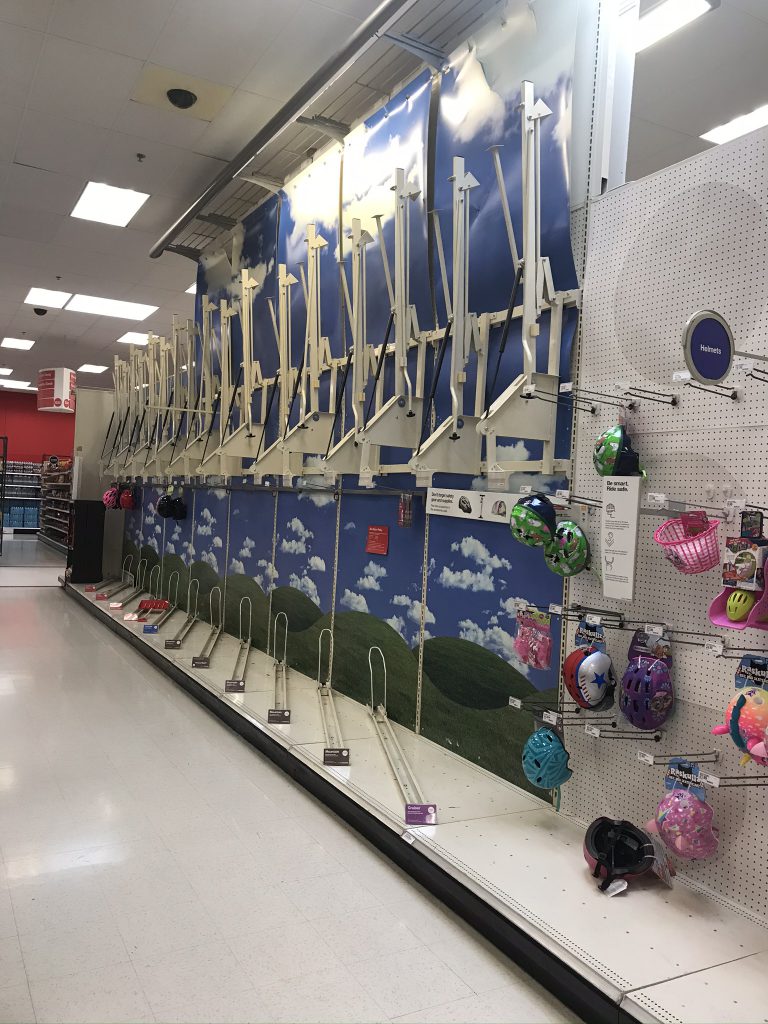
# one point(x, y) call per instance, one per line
point(617, 849)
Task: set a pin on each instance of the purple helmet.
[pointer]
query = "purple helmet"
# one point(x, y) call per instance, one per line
point(646, 696)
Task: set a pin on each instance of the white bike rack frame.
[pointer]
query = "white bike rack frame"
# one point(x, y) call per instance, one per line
point(173, 605)
point(335, 752)
point(141, 572)
point(203, 659)
point(175, 642)
point(236, 681)
point(280, 714)
point(117, 587)
point(402, 772)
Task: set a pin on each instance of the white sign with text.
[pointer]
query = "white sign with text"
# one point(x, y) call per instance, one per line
point(618, 535)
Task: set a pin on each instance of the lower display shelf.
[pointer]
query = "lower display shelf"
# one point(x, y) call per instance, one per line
point(506, 861)
point(57, 545)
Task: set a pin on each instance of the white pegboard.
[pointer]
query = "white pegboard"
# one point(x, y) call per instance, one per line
point(691, 237)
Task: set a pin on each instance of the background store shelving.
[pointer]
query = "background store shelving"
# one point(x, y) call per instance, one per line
point(56, 505)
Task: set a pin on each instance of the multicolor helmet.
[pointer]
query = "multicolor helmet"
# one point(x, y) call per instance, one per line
point(568, 552)
point(111, 497)
point(684, 822)
point(647, 697)
point(617, 849)
point(533, 520)
point(545, 760)
point(588, 677)
point(746, 722)
point(614, 454)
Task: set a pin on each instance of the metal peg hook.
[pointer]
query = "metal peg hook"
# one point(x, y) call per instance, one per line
point(370, 667)
point(710, 389)
point(320, 655)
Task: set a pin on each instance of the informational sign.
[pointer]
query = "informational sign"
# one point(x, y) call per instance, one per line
point(708, 347)
point(421, 814)
point(618, 535)
point(378, 540)
point(488, 505)
point(56, 389)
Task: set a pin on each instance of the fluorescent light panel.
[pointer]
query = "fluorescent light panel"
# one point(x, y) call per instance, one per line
point(91, 368)
point(191, 290)
point(108, 204)
point(109, 307)
point(5, 371)
point(46, 297)
point(738, 126)
point(666, 18)
point(22, 385)
point(133, 338)
point(23, 343)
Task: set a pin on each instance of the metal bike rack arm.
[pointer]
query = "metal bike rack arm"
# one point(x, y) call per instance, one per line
point(203, 659)
point(331, 726)
point(191, 618)
point(398, 762)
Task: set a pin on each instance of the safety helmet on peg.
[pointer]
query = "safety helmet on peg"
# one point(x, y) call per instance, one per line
point(533, 521)
point(111, 497)
point(646, 697)
point(545, 760)
point(617, 849)
point(746, 722)
point(568, 552)
point(127, 501)
point(684, 822)
point(614, 454)
point(595, 680)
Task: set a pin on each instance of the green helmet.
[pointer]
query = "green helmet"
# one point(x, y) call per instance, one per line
point(568, 553)
point(533, 521)
point(614, 454)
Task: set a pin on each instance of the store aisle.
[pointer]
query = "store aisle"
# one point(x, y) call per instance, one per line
point(28, 562)
point(155, 867)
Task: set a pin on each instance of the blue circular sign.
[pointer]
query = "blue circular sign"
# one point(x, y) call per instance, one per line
point(708, 345)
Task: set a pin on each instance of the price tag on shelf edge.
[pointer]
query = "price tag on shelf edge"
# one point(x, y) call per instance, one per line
point(555, 609)
point(656, 500)
point(592, 619)
point(515, 702)
point(681, 375)
point(551, 717)
point(709, 780)
point(644, 757)
point(565, 389)
point(592, 730)
point(714, 645)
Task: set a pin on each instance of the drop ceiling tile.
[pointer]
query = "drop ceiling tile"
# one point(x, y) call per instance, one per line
point(171, 271)
point(158, 213)
point(56, 143)
point(163, 298)
point(127, 28)
point(359, 9)
point(7, 310)
point(14, 279)
point(29, 13)
point(105, 238)
point(19, 53)
point(82, 82)
point(10, 120)
point(220, 41)
point(243, 115)
point(28, 222)
point(157, 125)
point(308, 39)
point(44, 190)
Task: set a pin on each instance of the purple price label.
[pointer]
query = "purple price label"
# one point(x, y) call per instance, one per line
point(421, 814)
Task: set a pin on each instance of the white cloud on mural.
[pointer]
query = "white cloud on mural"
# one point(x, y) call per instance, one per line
point(293, 547)
point(350, 526)
point(217, 542)
point(169, 548)
point(493, 639)
point(372, 573)
point(300, 529)
point(306, 585)
point(236, 565)
point(205, 530)
point(466, 579)
point(477, 552)
point(210, 559)
point(158, 529)
point(313, 195)
point(247, 549)
point(414, 608)
point(316, 564)
point(474, 107)
point(397, 622)
point(355, 602)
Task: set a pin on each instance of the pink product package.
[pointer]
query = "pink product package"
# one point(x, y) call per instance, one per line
point(533, 640)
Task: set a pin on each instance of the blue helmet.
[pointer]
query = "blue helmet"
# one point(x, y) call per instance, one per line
point(545, 760)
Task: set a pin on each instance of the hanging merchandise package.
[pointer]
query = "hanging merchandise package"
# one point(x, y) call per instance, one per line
point(533, 640)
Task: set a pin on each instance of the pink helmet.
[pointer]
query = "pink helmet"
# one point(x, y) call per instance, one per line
point(684, 823)
point(111, 497)
point(746, 722)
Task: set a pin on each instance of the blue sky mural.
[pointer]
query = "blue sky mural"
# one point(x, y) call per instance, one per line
point(306, 540)
point(178, 533)
point(209, 538)
point(251, 524)
point(153, 524)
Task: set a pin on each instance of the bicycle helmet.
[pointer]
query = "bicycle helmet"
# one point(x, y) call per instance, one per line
point(739, 604)
point(595, 680)
point(533, 521)
point(568, 552)
point(178, 508)
point(545, 760)
point(617, 849)
point(127, 500)
point(684, 822)
point(570, 672)
point(165, 506)
point(746, 722)
point(647, 696)
point(111, 497)
point(614, 454)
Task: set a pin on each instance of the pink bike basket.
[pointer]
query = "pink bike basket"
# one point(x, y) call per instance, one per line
point(689, 554)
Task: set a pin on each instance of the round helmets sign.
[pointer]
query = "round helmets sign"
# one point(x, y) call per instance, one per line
point(708, 346)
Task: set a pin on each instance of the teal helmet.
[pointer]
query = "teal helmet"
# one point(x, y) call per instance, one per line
point(532, 521)
point(614, 454)
point(545, 760)
point(568, 552)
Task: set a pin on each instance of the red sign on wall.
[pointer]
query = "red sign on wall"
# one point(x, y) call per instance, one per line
point(378, 540)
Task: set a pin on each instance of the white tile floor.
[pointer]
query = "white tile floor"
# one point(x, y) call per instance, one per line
point(155, 867)
point(27, 562)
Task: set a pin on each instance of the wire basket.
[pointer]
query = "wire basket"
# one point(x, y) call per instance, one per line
point(689, 554)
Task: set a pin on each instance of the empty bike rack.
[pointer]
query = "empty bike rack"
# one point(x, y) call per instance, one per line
point(236, 683)
point(141, 572)
point(118, 586)
point(154, 574)
point(280, 714)
point(175, 643)
point(173, 605)
point(203, 659)
point(335, 752)
point(398, 762)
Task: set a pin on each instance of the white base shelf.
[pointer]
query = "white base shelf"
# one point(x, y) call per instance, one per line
point(648, 951)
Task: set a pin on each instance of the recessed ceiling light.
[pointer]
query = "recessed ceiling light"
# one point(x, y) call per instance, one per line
point(5, 372)
point(192, 289)
point(667, 17)
point(23, 385)
point(90, 368)
point(109, 307)
point(46, 297)
point(108, 204)
point(22, 343)
point(738, 126)
point(133, 338)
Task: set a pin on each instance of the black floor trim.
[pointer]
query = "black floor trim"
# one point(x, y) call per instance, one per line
point(592, 1005)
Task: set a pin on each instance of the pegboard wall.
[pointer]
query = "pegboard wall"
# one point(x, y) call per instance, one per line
point(691, 237)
